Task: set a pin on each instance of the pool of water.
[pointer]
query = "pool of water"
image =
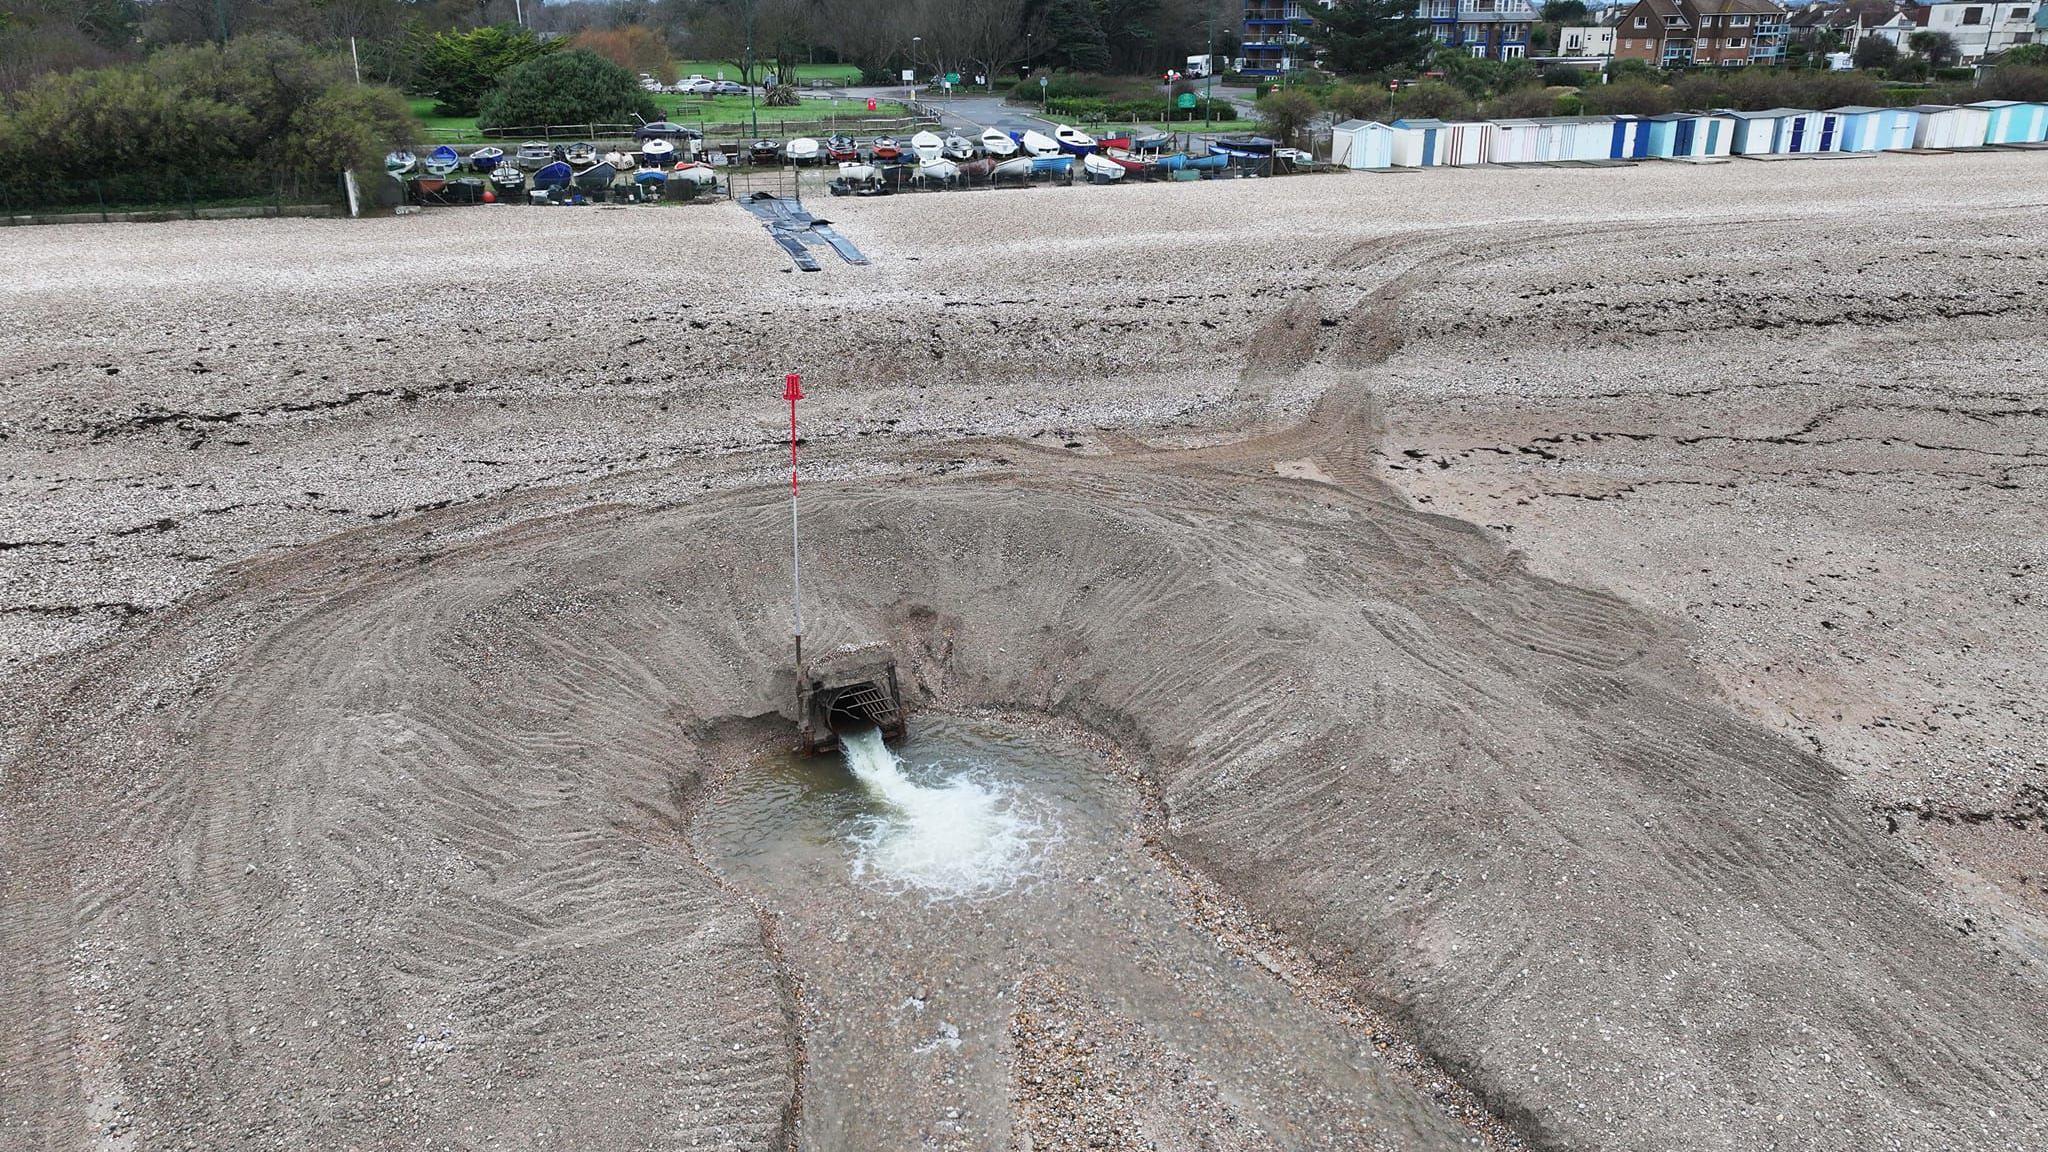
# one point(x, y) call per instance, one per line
point(918, 893)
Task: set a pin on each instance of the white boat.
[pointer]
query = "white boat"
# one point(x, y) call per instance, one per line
point(442, 161)
point(1018, 166)
point(692, 172)
point(997, 143)
point(400, 162)
point(1037, 143)
point(959, 148)
point(620, 161)
point(802, 150)
point(657, 152)
point(937, 170)
point(486, 159)
point(580, 153)
point(533, 155)
point(928, 147)
point(858, 173)
point(1073, 139)
point(1101, 169)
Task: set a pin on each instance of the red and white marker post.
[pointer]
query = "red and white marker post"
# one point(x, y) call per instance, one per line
point(793, 391)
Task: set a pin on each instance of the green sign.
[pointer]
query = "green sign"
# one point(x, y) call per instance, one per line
point(1184, 100)
point(952, 77)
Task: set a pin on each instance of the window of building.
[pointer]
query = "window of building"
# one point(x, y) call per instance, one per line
point(1642, 22)
point(1973, 16)
point(1479, 50)
point(1741, 21)
point(1735, 43)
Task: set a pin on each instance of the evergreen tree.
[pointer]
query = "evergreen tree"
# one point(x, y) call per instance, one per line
point(1076, 33)
point(1359, 37)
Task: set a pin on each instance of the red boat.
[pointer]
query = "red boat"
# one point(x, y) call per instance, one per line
point(1123, 142)
point(842, 150)
point(1122, 158)
point(884, 148)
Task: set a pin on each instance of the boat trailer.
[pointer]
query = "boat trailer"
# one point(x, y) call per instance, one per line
point(847, 689)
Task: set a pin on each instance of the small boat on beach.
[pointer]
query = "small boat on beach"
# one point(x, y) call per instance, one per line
point(927, 145)
point(508, 178)
point(1126, 161)
point(442, 161)
point(1036, 143)
point(580, 153)
point(937, 170)
point(597, 177)
point(1182, 162)
point(997, 143)
point(1072, 139)
point(978, 170)
point(693, 172)
point(486, 159)
point(842, 150)
point(1018, 167)
point(400, 162)
point(555, 174)
point(885, 148)
point(533, 155)
point(649, 175)
point(958, 149)
point(764, 151)
point(1101, 169)
point(657, 151)
point(802, 150)
point(859, 173)
point(1057, 165)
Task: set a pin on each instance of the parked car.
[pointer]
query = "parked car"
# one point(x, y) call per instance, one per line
point(696, 86)
point(728, 88)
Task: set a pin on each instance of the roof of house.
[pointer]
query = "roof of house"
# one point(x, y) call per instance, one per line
point(1855, 110)
point(1735, 7)
point(1662, 8)
point(1766, 114)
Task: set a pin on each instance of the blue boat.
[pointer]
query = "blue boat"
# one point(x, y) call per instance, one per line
point(555, 175)
point(1244, 147)
point(443, 160)
point(1059, 164)
point(650, 176)
point(1182, 162)
point(486, 159)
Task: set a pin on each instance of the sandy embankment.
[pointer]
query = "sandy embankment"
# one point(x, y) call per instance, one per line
point(413, 579)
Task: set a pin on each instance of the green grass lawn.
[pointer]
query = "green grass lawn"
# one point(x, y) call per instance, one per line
point(836, 73)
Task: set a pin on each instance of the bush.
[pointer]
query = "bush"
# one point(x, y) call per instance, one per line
point(2009, 82)
point(459, 68)
point(1432, 98)
point(261, 109)
point(1522, 103)
point(1285, 115)
point(1622, 69)
point(1563, 76)
point(1635, 96)
point(1876, 53)
point(1357, 102)
point(573, 87)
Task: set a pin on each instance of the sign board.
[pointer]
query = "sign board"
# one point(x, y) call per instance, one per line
point(1184, 101)
point(910, 75)
point(952, 77)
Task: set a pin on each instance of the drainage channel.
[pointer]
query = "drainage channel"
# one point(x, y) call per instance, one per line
point(991, 958)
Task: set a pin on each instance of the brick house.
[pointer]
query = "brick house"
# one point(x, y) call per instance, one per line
point(1707, 33)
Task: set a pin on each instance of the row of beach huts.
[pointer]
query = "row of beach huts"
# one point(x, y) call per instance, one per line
point(1686, 135)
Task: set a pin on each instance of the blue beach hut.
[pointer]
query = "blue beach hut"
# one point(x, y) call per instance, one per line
point(1867, 129)
point(2014, 121)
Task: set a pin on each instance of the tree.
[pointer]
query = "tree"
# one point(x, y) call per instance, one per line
point(458, 68)
point(1364, 37)
point(1937, 48)
point(1876, 52)
point(1285, 115)
point(1564, 11)
point(2024, 56)
point(1078, 41)
point(634, 47)
point(572, 87)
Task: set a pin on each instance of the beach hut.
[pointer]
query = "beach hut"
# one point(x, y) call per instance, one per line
point(1630, 139)
point(1945, 126)
point(1801, 132)
point(1867, 129)
point(1418, 143)
point(1756, 133)
point(1464, 145)
point(1362, 144)
point(1690, 135)
point(1572, 137)
point(1513, 142)
point(2014, 121)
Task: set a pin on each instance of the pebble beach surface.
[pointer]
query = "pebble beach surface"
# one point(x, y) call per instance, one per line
point(1583, 627)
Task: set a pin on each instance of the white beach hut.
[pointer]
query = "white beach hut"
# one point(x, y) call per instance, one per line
point(1362, 144)
point(1946, 126)
point(1514, 142)
point(1756, 133)
point(1418, 143)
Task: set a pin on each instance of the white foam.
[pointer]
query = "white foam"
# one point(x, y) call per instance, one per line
point(960, 837)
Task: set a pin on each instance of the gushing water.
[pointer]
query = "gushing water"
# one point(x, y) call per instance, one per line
point(963, 836)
